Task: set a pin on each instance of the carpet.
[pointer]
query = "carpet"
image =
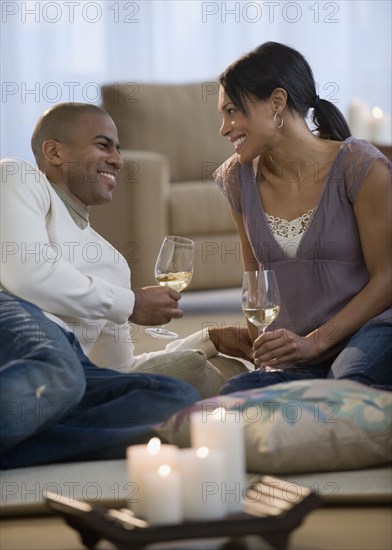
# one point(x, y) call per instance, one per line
point(106, 483)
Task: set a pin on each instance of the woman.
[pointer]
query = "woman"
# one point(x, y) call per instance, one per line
point(316, 208)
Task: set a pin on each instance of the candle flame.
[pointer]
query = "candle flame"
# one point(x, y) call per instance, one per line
point(202, 452)
point(219, 414)
point(154, 446)
point(164, 470)
point(377, 112)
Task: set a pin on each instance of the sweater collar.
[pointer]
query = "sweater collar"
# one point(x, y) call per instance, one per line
point(78, 213)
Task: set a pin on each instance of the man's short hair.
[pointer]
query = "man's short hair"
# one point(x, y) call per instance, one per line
point(57, 123)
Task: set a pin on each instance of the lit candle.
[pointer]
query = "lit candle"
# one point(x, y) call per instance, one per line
point(203, 477)
point(142, 459)
point(163, 498)
point(222, 430)
point(380, 127)
point(359, 119)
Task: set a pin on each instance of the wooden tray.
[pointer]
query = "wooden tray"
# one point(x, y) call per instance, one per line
point(273, 508)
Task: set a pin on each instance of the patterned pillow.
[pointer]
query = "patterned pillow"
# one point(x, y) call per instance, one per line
point(303, 426)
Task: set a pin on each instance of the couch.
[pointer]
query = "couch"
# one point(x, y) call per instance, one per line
point(171, 146)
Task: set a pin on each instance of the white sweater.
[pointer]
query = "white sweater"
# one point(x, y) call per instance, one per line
point(76, 277)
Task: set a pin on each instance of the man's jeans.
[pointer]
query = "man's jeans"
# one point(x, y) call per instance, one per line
point(366, 358)
point(58, 406)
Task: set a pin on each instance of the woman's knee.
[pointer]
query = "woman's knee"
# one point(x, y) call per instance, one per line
point(251, 380)
point(367, 357)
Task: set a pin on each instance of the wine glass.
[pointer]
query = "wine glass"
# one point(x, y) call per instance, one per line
point(260, 299)
point(173, 268)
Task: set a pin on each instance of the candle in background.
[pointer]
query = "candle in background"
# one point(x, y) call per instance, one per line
point(380, 127)
point(142, 459)
point(359, 119)
point(162, 496)
point(222, 430)
point(203, 477)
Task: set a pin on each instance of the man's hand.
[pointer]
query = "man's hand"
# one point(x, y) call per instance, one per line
point(155, 305)
point(234, 341)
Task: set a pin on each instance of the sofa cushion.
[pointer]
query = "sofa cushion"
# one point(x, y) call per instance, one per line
point(303, 426)
point(197, 208)
point(180, 121)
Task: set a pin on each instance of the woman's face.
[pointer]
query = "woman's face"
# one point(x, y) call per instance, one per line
point(251, 134)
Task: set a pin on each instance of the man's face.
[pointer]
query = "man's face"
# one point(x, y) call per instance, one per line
point(90, 160)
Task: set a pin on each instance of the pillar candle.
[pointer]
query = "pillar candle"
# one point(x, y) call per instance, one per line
point(162, 496)
point(380, 127)
point(222, 430)
point(203, 476)
point(142, 459)
point(359, 119)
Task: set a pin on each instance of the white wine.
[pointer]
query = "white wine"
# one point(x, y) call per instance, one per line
point(178, 280)
point(261, 317)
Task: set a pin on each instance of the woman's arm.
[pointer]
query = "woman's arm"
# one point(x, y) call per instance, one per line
point(248, 258)
point(233, 340)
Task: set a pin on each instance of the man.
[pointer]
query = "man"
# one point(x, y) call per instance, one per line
point(51, 255)
point(52, 258)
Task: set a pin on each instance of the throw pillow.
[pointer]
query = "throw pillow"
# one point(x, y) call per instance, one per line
point(303, 426)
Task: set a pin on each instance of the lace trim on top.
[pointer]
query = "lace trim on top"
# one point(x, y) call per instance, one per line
point(288, 229)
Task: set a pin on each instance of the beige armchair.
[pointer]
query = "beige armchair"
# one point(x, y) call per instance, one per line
point(171, 146)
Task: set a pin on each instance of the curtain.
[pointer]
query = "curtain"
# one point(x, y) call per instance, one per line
point(54, 51)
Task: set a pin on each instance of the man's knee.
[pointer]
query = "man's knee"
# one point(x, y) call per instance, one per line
point(36, 394)
point(40, 389)
point(64, 375)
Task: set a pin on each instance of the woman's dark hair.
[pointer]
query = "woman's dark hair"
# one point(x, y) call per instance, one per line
point(272, 65)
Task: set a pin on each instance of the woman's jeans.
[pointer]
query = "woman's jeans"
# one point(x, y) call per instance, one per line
point(366, 358)
point(58, 406)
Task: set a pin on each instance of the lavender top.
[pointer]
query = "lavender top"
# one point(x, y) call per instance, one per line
point(329, 268)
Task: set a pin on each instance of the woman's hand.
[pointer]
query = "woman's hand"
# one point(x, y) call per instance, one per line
point(232, 340)
point(279, 347)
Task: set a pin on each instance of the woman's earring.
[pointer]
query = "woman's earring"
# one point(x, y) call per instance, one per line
point(281, 119)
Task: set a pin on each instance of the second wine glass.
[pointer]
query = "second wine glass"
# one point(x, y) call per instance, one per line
point(260, 299)
point(173, 268)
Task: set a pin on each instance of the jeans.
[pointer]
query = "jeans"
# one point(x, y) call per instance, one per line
point(366, 358)
point(57, 406)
